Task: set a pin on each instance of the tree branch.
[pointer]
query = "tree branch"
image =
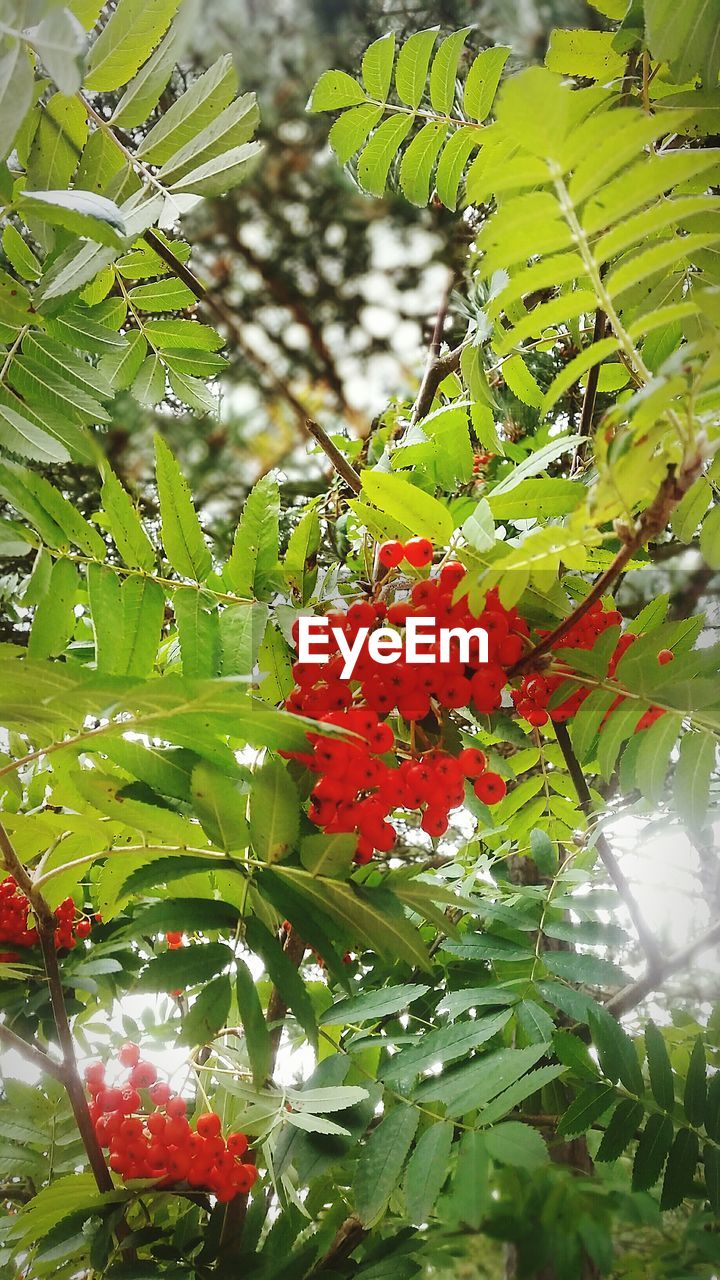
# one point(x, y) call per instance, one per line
point(70, 1075)
point(435, 371)
point(338, 459)
point(32, 1054)
point(347, 1238)
point(588, 406)
point(631, 996)
point(646, 938)
point(652, 521)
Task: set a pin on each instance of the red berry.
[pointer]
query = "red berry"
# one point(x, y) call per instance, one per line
point(110, 1099)
point(418, 552)
point(129, 1054)
point(176, 1107)
point(473, 762)
point(83, 928)
point(209, 1125)
point(665, 656)
point(490, 788)
point(174, 939)
point(390, 554)
point(160, 1093)
point(237, 1144)
point(143, 1075)
point(94, 1073)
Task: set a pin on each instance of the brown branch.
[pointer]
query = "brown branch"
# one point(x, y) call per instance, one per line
point(226, 318)
point(45, 923)
point(236, 1210)
point(631, 996)
point(32, 1054)
point(588, 406)
point(347, 1238)
point(652, 521)
point(338, 459)
point(646, 938)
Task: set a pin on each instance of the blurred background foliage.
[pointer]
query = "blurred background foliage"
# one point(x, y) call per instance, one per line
point(334, 293)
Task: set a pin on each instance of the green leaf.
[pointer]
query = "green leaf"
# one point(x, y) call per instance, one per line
point(685, 36)
point(482, 81)
point(444, 71)
point(441, 1046)
point(149, 384)
point(143, 93)
point(592, 971)
point(60, 41)
point(217, 176)
point(539, 499)
point(372, 915)
point(680, 1171)
point(335, 89)
point(427, 1170)
point(127, 39)
point(517, 1144)
point(661, 1076)
point(274, 811)
point(695, 1096)
point(127, 621)
point(652, 1150)
point(83, 212)
point(536, 462)
point(242, 627)
point(712, 1109)
point(710, 539)
point(420, 512)
point(692, 777)
point(329, 855)
point(510, 1098)
point(588, 1107)
point(616, 1051)
point(412, 66)
point(381, 1162)
point(255, 548)
point(182, 536)
point(585, 53)
point(470, 1190)
point(25, 440)
point(620, 1131)
point(208, 1013)
point(220, 807)
point(352, 129)
point(186, 967)
point(126, 526)
point(380, 151)
point(377, 66)
point(418, 161)
point(691, 509)
point(54, 620)
point(452, 162)
point(16, 93)
point(521, 382)
point(198, 624)
point(653, 756)
point(257, 1036)
point(122, 365)
point(283, 975)
point(19, 254)
point(373, 1005)
point(192, 112)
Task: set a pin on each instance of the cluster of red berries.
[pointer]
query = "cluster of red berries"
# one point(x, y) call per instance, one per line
point(16, 929)
point(357, 789)
point(417, 551)
point(160, 1143)
point(536, 691)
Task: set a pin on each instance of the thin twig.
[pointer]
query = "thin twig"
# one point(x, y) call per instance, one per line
point(591, 386)
point(631, 996)
point(646, 938)
point(652, 521)
point(31, 1054)
point(338, 459)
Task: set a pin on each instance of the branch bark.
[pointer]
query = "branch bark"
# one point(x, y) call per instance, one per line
point(37, 1057)
point(632, 996)
point(338, 459)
